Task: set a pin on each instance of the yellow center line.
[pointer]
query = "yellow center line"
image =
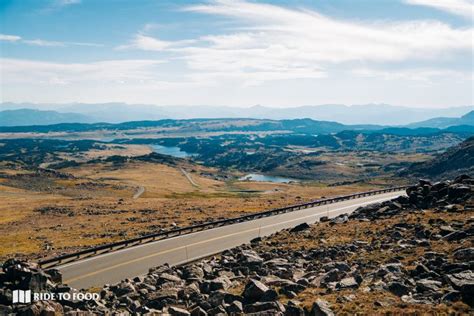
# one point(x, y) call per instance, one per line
point(209, 240)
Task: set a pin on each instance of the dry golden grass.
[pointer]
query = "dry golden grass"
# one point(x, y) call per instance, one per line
point(119, 150)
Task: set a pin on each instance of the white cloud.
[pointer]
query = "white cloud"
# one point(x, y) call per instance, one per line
point(144, 42)
point(9, 38)
point(426, 75)
point(256, 59)
point(68, 2)
point(40, 42)
point(132, 81)
point(311, 37)
point(274, 42)
point(20, 71)
point(458, 7)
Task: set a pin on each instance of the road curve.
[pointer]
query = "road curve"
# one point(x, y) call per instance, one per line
point(130, 262)
point(186, 174)
point(139, 192)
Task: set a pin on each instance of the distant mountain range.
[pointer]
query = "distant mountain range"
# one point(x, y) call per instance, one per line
point(444, 122)
point(24, 117)
point(379, 114)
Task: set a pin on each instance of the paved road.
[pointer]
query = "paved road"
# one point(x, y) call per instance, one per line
point(186, 174)
point(130, 262)
point(139, 192)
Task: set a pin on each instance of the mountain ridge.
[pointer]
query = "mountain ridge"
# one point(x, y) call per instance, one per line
point(380, 114)
point(25, 117)
point(445, 122)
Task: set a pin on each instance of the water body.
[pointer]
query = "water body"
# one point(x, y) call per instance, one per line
point(171, 151)
point(263, 178)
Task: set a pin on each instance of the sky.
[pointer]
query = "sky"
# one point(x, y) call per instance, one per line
point(278, 53)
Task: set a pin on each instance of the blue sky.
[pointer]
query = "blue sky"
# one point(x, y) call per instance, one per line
point(239, 53)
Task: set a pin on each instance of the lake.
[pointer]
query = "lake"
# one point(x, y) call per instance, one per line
point(263, 178)
point(171, 151)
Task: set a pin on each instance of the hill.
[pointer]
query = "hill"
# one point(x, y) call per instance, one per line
point(456, 160)
point(25, 117)
point(299, 126)
point(445, 122)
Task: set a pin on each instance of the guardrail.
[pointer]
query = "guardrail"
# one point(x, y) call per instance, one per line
point(52, 262)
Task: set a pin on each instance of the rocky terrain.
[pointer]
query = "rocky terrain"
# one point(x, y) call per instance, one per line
point(409, 255)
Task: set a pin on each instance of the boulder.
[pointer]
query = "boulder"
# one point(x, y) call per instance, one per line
point(299, 228)
point(398, 288)
point(292, 310)
point(464, 283)
point(465, 254)
point(220, 283)
point(254, 290)
point(426, 285)
point(235, 307)
point(166, 277)
point(198, 311)
point(348, 283)
point(193, 272)
point(268, 307)
point(250, 258)
point(173, 310)
point(321, 308)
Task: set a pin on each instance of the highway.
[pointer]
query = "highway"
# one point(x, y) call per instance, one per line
point(115, 266)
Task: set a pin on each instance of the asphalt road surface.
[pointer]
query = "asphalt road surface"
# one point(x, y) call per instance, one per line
point(115, 266)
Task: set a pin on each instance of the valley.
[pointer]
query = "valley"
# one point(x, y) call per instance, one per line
point(63, 194)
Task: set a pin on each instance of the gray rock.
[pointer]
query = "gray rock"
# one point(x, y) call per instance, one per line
point(348, 283)
point(293, 310)
point(466, 254)
point(464, 283)
point(426, 285)
point(235, 307)
point(193, 272)
point(321, 308)
point(198, 311)
point(299, 228)
point(293, 287)
point(173, 310)
point(217, 311)
point(220, 283)
point(452, 296)
point(166, 277)
point(251, 258)
point(454, 236)
point(124, 288)
point(269, 295)
point(254, 290)
point(217, 298)
point(331, 276)
point(398, 288)
point(265, 307)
